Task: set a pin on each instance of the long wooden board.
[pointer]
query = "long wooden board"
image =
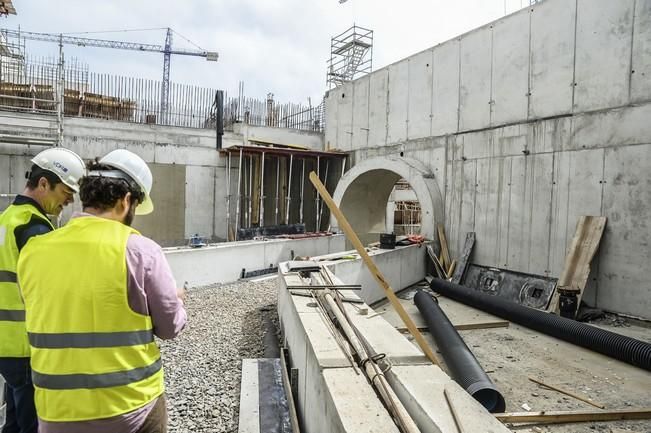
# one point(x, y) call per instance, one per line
point(373, 269)
point(584, 245)
point(464, 260)
point(559, 417)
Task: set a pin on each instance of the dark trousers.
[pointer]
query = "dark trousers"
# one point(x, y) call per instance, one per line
point(156, 421)
point(19, 396)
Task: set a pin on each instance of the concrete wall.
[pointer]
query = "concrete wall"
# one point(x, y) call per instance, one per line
point(190, 175)
point(287, 137)
point(527, 123)
point(223, 263)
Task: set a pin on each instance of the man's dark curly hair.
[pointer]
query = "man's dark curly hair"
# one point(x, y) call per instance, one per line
point(103, 192)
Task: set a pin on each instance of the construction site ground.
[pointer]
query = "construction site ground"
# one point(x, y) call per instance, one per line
point(510, 355)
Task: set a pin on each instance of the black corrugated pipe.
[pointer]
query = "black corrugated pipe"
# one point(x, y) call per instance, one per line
point(616, 346)
point(462, 364)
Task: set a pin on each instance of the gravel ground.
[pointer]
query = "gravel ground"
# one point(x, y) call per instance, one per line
point(203, 365)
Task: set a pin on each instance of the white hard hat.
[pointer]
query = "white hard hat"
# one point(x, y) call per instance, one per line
point(137, 169)
point(65, 163)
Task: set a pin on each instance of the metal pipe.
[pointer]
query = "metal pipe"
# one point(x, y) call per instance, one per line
point(462, 364)
point(239, 196)
point(228, 199)
point(261, 214)
point(317, 201)
point(289, 188)
point(277, 188)
point(616, 346)
point(302, 192)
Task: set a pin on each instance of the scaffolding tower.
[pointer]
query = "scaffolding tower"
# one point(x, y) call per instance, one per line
point(351, 56)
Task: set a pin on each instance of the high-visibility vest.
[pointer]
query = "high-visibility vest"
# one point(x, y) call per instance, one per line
point(13, 336)
point(93, 357)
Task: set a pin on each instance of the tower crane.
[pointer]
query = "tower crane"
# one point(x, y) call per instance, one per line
point(166, 49)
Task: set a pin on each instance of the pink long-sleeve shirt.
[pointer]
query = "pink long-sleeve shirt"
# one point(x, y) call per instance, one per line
point(151, 290)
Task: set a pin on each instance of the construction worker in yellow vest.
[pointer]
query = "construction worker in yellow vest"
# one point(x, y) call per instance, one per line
point(51, 184)
point(96, 292)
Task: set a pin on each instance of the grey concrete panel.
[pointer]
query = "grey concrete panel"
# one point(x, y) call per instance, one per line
point(167, 223)
point(641, 77)
point(453, 196)
point(511, 69)
point(539, 206)
point(625, 251)
point(511, 140)
point(445, 87)
point(331, 126)
point(519, 224)
point(420, 95)
point(468, 197)
point(576, 191)
point(603, 53)
point(475, 83)
point(398, 102)
point(378, 114)
point(549, 135)
point(477, 144)
point(344, 118)
point(199, 191)
point(552, 57)
point(487, 208)
point(619, 127)
point(360, 128)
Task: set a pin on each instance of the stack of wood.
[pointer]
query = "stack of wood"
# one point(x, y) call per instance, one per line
point(445, 267)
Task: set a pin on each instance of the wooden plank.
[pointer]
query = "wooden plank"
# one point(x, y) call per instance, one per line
point(373, 269)
point(464, 260)
point(438, 266)
point(584, 245)
point(560, 417)
point(571, 394)
point(455, 414)
point(293, 415)
point(466, 326)
point(444, 247)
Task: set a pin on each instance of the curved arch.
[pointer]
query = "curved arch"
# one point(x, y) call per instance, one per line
point(363, 192)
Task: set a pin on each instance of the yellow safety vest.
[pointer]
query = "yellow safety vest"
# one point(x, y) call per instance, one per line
point(13, 336)
point(92, 356)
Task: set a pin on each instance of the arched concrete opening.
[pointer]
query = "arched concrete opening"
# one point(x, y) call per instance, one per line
point(363, 192)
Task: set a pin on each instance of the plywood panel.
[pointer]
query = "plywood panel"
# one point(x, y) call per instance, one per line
point(626, 247)
point(360, 113)
point(398, 101)
point(445, 99)
point(345, 117)
point(420, 95)
point(552, 57)
point(641, 77)
point(603, 53)
point(378, 94)
point(511, 69)
point(475, 91)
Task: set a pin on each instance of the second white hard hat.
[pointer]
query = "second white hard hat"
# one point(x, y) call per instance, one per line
point(137, 169)
point(65, 163)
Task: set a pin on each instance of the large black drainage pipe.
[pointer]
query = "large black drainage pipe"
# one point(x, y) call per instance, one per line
point(462, 364)
point(616, 346)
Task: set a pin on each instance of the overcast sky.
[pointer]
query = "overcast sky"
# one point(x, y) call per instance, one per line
point(272, 46)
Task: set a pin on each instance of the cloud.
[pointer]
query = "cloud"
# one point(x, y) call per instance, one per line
point(279, 47)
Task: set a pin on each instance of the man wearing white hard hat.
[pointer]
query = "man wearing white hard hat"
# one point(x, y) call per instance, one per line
point(96, 367)
point(51, 184)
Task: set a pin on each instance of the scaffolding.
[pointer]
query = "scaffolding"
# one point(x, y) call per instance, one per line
point(351, 56)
